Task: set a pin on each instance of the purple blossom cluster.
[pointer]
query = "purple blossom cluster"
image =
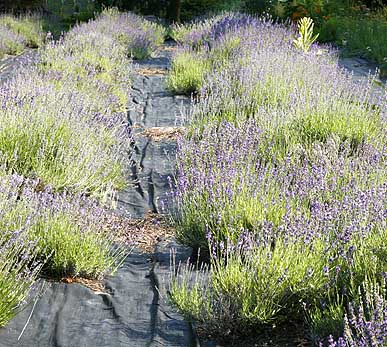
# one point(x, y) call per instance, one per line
point(365, 324)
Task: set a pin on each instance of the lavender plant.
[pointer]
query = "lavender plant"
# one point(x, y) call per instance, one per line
point(205, 32)
point(49, 133)
point(63, 141)
point(18, 272)
point(206, 42)
point(187, 72)
point(89, 58)
point(69, 232)
point(66, 122)
point(365, 321)
point(17, 33)
point(140, 38)
point(10, 42)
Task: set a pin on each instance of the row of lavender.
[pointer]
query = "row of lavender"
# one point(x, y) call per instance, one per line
point(64, 140)
point(17, 33)
point(283, 180)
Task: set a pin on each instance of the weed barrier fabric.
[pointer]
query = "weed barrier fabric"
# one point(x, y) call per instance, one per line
point(133, 311)
point(361, 69)
point(10, 65)
point(153, 161)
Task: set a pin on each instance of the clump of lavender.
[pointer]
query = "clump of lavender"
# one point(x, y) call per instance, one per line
point(10, 42)
point(365, 323)
point(297, 98)
point(64, 120)
point(140, 38)
point(18, 273)
point(59, 234)
point(17, 33)
point(191, 34)
point(68, 231)
point(57, 135)
point(87, 57)
point(203, 33)
point(18, 252)
point(28, 26)
point(284, 167)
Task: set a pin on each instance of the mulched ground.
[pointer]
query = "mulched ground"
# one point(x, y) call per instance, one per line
point(143, 233)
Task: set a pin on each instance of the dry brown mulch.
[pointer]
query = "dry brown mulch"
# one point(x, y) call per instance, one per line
point(95, 285)
point(163, 133)
point(143, 233)
point(169, 48)
point(151, 71)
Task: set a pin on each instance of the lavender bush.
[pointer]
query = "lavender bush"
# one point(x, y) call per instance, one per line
point(200, 33)
point(365, 323)
point(28, 26)
point(18, 273)
point(299, 98)
point(63, 125)
point(315, 225)
point(69, 231)
point(10, 42)
point(96, 64)
point(204, 46)
point(140, 38)
point(64, 121)
point(187, 73)
point(48, 132)
point(63, 141)
point(191, 34)
point(17, 33)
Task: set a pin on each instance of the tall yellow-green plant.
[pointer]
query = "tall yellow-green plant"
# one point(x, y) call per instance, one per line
point(305, 37)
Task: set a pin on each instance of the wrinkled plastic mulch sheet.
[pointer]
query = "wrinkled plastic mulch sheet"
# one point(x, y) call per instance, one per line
point(132, 309)
point(10, 65)
point(361, 69)
point(132, 312)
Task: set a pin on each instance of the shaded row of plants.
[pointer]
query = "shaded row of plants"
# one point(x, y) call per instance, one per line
point(282, 180)
point(64, 151)
point(18, 33)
